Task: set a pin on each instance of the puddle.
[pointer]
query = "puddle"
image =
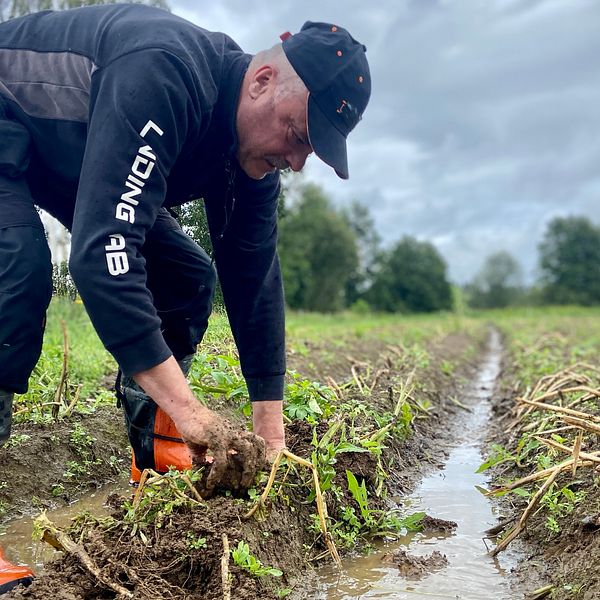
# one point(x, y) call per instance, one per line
point(15, 536)
point(449, 494)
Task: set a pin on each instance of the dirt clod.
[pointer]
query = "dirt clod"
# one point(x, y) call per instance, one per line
point(434, 524)
point(415, 567)
point(232, 461)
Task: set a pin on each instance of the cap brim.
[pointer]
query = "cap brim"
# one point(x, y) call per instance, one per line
point(326, 141)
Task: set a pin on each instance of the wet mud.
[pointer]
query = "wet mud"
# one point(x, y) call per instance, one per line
point(181, 555)
point(45, 466)
point(415, 567)
point(449, 558)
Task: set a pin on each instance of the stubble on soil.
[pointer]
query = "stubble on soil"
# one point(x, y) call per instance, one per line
point(166, 566)
point(566, 561)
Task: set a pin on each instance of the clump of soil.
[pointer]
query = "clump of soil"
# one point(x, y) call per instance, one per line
point(229, 468)
point(432, 524)
point(415, 567)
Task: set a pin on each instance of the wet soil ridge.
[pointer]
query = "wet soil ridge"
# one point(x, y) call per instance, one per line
point(547, 458)
point(460, 564)
point(457, 513)
point(384, 422)
point(44, 466)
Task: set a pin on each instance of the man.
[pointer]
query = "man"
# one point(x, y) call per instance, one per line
point(109, 116)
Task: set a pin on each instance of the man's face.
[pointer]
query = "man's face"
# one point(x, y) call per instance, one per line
point(273, 135)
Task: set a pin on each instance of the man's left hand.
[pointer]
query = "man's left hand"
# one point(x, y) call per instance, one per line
point(267, 417)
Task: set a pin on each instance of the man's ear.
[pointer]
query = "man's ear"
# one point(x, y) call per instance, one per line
point(263, 79)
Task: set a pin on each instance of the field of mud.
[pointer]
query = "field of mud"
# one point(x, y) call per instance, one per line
point(165, 562)
point(167, 542)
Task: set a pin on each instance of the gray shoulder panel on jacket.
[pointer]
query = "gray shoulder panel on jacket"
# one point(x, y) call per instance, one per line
point(47, 85)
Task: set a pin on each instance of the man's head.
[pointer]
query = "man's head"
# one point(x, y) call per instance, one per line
point(300, 96)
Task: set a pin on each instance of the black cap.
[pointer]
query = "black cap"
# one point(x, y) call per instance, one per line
point(334, 68)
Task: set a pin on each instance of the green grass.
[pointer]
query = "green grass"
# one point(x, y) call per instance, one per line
point(544, 340)
point(87, 362)
point(392, 329)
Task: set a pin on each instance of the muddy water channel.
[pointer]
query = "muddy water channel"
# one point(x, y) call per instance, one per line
point(449, 494)
point(16, 536)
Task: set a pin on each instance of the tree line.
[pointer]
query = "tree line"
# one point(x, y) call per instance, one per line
point(332, 259)
point(568, 265)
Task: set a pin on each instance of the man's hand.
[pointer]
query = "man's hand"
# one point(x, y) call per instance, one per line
point(267, 417)
point(234, 456)
point(211, 439)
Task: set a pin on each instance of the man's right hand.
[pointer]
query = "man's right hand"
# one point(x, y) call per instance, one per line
point(216, 443)
point(212, 440)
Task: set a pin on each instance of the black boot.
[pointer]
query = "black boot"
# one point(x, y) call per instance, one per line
point(6, 401)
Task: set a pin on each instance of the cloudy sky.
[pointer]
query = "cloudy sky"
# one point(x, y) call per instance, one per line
point(484, 121)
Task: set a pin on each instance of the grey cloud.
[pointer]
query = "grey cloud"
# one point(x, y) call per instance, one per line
point(483, 120)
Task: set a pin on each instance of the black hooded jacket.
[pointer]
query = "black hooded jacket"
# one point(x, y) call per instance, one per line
point(126, 110)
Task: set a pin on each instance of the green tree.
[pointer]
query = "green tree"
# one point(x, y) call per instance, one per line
point(497, 284)
point(192, 217)
point(10, 9)
point(412, 278)
point(318, 253)
point(368, 240)
point(570, 261)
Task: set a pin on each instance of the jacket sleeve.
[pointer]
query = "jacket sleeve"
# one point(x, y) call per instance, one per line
point(141, 112)
point(245, 250)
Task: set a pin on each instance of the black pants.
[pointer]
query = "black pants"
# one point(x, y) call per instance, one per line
point(25, 284)
point(180, 277)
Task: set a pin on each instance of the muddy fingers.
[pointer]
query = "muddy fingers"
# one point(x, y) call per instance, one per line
point(251, 455)
point(217, 469)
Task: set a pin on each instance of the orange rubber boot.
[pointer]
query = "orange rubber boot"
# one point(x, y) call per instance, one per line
point(169, 449)
point(12, 575)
